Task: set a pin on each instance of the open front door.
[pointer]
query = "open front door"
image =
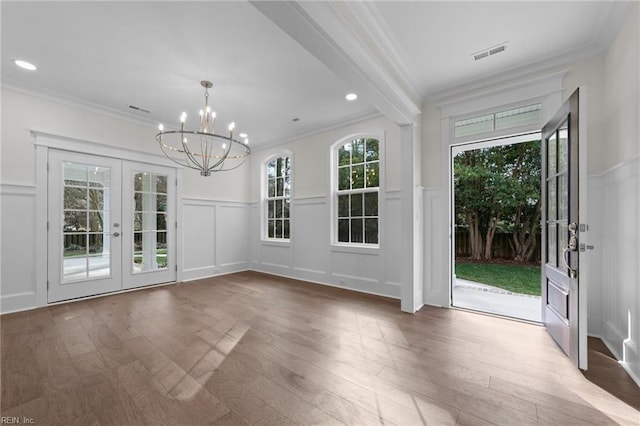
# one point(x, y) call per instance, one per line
point(561, 302)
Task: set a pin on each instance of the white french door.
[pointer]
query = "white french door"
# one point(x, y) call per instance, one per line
point(108, 223)
point(148, 224)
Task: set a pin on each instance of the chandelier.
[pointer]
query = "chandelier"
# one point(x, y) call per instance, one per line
point(203, 149)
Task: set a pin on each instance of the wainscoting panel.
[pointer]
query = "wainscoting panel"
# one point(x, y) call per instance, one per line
point(614, 294)
point(198, 239)
point(436, 246)
point(311, 246)
point(18, 244)
point(215, 238)
point(310, 256)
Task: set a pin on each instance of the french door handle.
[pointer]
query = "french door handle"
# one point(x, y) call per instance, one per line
point(573, 273)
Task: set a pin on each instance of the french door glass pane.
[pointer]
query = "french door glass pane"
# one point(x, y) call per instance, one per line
point(85, 229)
point(563, 152)
point(552, 158)
point(149, 222)
point(551, 198)
point(552, 245)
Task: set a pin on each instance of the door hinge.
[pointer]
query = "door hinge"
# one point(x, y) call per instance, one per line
point(176, 181)
point(47, 167)
point(47, 285)
point(176, 267)
point(47, 226)
point(176, 224)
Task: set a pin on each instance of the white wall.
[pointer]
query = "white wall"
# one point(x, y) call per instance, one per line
point(215, 210)
point(615, 194)
point(612, 83)
point(309, 255)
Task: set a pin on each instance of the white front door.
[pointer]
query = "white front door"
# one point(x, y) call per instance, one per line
point(108, 225)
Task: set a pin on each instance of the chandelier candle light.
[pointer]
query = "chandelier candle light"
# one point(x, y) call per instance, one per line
point(203, 149)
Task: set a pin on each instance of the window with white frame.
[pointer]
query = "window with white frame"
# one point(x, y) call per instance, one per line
point(356, 191)
point(278, 198)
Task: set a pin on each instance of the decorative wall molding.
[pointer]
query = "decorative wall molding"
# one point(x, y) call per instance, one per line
point(614, 297)
point(19, 241)
point(20, 190)
point(362, 269)
point(437, 286)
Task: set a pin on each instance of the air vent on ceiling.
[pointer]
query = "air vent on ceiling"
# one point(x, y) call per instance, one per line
point(489, 52)
point(137, 108)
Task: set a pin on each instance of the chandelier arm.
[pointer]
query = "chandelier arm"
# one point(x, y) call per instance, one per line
point(232, 168)
point(162, 148)
point(221, 163)
point(189, 155)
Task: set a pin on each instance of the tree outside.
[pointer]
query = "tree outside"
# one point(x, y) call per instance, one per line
point(497, 199)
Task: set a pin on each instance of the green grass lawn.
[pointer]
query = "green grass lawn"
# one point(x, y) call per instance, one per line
point(523, 279)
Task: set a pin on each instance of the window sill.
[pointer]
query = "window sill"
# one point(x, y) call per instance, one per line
point(371, 250)
point(275, 243)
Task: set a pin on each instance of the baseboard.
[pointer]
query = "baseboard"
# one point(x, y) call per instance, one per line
point(17, 302)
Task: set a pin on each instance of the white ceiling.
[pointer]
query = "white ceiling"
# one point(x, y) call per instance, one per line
point(273, 61)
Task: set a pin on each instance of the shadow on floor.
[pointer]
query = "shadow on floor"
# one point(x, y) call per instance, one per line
point(605, 372)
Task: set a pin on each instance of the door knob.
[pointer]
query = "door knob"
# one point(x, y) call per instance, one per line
point(116, 234)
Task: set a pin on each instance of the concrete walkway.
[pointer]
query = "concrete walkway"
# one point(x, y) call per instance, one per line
point(494, 300)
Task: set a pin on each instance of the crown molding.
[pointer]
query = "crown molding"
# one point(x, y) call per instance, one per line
point(80, 104)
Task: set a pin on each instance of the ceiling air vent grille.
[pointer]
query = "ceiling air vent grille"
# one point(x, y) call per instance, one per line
point(489, 52)
point(137, 108)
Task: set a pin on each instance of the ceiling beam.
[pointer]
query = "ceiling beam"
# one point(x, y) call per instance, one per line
point(351, 40)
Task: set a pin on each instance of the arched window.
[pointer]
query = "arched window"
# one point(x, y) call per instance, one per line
point(277, 198)
point(356, 189)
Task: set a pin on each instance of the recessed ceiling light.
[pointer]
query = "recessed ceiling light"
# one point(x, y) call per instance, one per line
point(25, 65)
point(243, 135)
point(351, 97)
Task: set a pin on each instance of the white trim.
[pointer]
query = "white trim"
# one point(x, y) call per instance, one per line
point(18, 302)
point(64, 143)
point(356, 290)
point(199, 201)
point(616, 167)
point(82, 104)
point(10, 189)
point(264, 191)
point(513, 93)
point(268, 144)
point(43, 143)
point(616, 354)
point(545, 89)
point(379, 135)
point(309, 201)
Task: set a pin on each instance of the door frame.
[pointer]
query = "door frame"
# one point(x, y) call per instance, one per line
point(546, 90)
point(454, 149)
point(43, 142)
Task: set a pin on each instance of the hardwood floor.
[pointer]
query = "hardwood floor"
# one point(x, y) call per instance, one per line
point(252, 349)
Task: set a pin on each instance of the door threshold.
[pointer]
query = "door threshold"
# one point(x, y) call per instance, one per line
point(111, 293)
point(491, 314)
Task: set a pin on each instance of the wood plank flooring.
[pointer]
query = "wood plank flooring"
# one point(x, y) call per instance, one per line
point(250, 348)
